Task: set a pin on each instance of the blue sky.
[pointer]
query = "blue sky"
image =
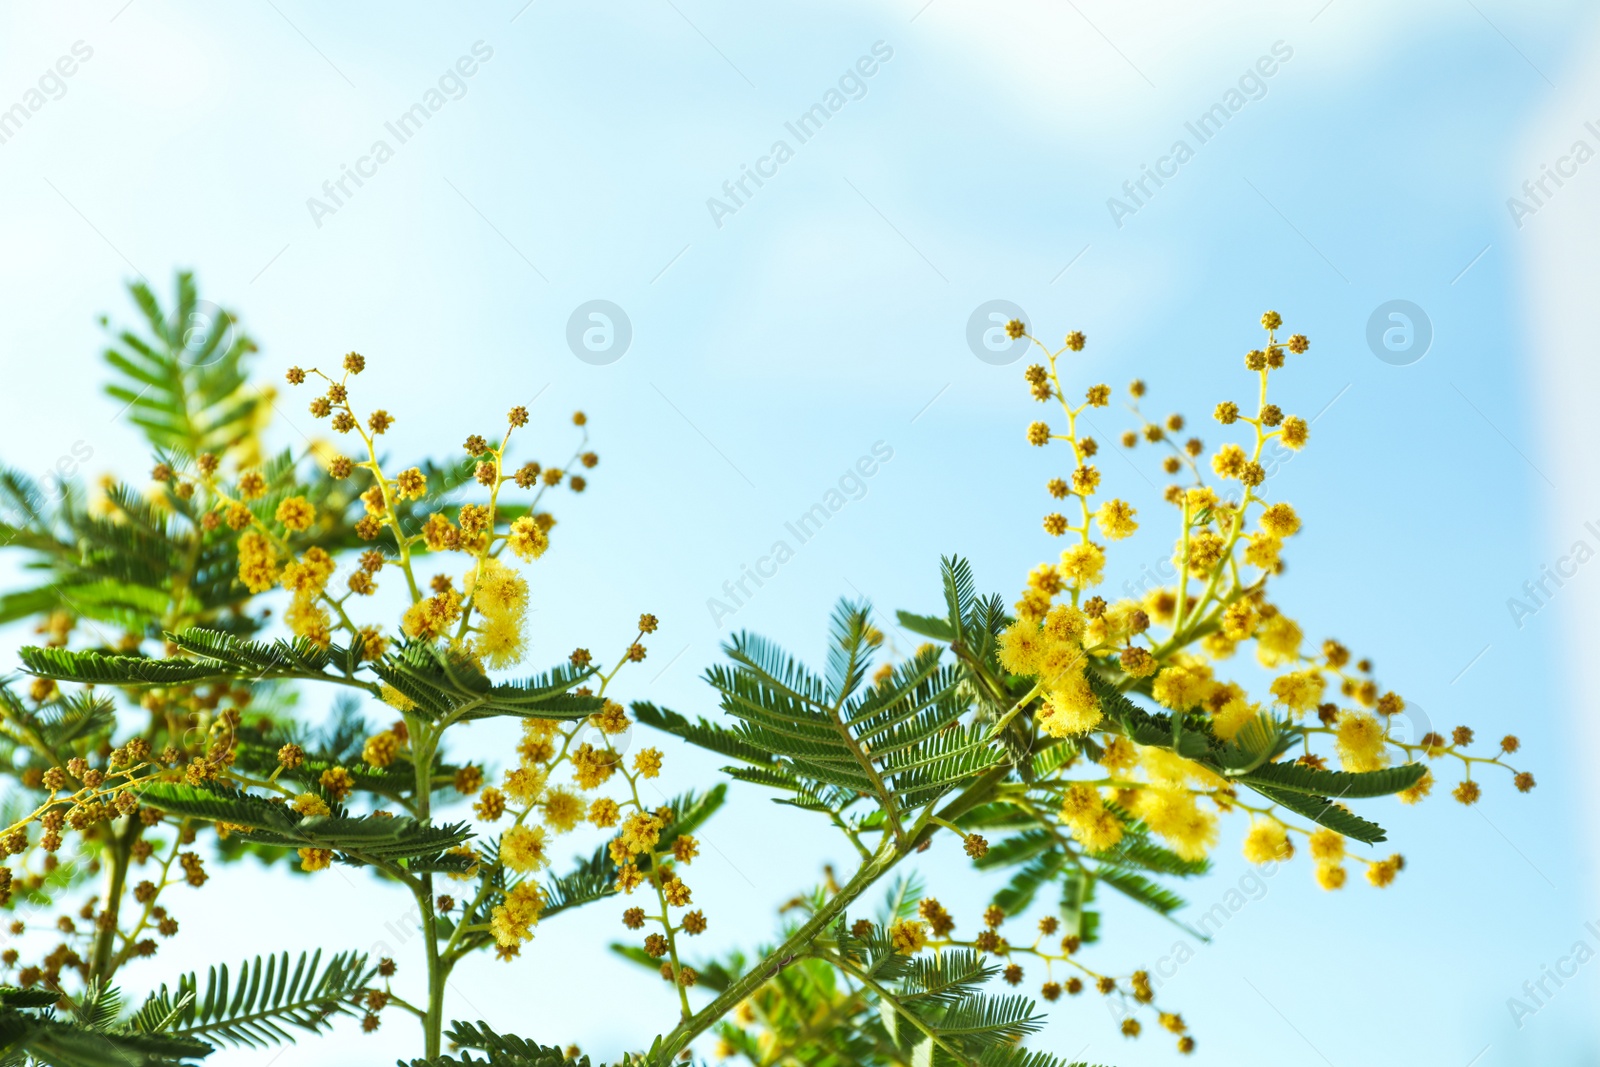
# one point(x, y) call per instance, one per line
point(828, 314)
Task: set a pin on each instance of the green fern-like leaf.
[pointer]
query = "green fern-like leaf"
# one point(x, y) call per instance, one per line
point(183, 382)
point(261, 1000)
point(1298, 778)
point(1324, 811)
point(449, 687)
point(498, 1050)
point(368, 838)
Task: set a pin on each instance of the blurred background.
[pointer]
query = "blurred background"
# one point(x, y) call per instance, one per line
point(1344, 162)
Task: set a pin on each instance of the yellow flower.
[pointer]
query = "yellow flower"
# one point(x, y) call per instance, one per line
point(1267, 841)
point(1171, 813)
point(1295, 432)
point(1118, 756)
point(1300, 691)
point(502, 642)
point(1229, 461)
point(337, 783)
point(524, 784)
point(1381, 874)
point(411, 484)
point(562, 809)
point(306, 618)
point(309, 804)
point(1020, 647)
point(315, 859)
point(641, 831)
point(1180, 687)
point(1327, 846)
point(1330, 876)
point(1358, 736)
point(604, 812)
point(296, 513)
point(527, 539)
point(1280, 521)
point(432, 617)
point(1082, 565)
point(648, 762)
point(908, 936)
point(522, 848)
point(258, 562)
point(1070, 708)
point(591, 766)
point(1277, 640)
point(1227, 721)
point(1422, 788)
point(396, 699)
point(1065, 626)
point(381, 750)
point(512, 922)
point(1240, 619)
point(1261, 550)
point(497, 590)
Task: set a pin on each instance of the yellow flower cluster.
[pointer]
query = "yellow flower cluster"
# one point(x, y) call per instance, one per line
point(1173, 642)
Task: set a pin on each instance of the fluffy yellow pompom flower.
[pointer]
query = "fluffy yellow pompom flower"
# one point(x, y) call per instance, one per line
point(522, 848)
point(1070, 708)
point(562, 810)
point(1330, 876)
point(1118, 756)
point(497, 590)
point(1228, 720)
point(1019, 648)
point(1166, 767)
point(433, 616)
point(527, 539)
point(1097, 832)
point(1422, 788)
point(1327, 846)
point(1267, 841)
point(1065, 625)
point(1278, 640)
point(512, 922)
point(309, 804)
point(1116, 519)
point(296, 513)
point(1359, 738)
point(258, 562)
point(908, 936)
point(1083, 565)
point(1172, 813)
point(501, 644)
point(1300, 691)
point(1085, 815)
point(315, 859)
point(1180, 688)
point(1229, 462)
point(1280, 521)
point(1262, 550)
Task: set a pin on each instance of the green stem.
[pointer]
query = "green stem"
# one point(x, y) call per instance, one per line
point(105, 940)
point(797, 944)
point(433, 1018)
